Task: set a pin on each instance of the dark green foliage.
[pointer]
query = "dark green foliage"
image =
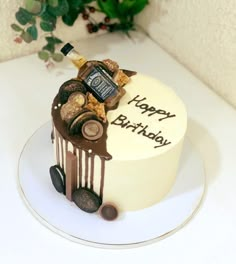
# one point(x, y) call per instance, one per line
point(44, 14)
point(23, 16)
point(109, 7)
point(61, 9)
point(47, 26)
point(16, 28)
point(70, 17)
point(32, 30)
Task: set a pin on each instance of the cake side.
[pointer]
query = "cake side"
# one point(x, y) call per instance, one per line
point(144, 136)
point(150, 120)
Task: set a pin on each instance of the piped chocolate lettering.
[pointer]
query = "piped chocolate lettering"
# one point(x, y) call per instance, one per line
point(140, 129)
point(150, 110)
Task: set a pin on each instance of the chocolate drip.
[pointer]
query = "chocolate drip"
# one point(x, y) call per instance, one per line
point(80, 167)
point(91, 171)
point(86, 169)
point(98, 147)
point(57, 147)
point(62, 153)
point(102, 177)
point(52, 134)
point(80, 144)
point(66, 144)
point(74, 150)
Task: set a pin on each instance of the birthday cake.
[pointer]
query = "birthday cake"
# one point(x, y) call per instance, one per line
point(118, 149)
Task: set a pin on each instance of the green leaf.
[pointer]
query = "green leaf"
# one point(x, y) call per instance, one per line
point(43, 55)
point(43, 9)
point(16, 28)
point(33, 32)
point(46, 26)
point(26, 37)
point(87, 1)
point(23, 16)
point(49, 47)
point(53, 3)
point(53, 40)
point(131, 7)
point(32, 6)
point(32, 21)
point(70, 17)
point(57, 57)
point(60, 10)
point(109, 7)
point(48, 17)
point(74, 4)
point(138, 7)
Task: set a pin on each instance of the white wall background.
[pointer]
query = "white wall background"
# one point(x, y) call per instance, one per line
point(201, 34)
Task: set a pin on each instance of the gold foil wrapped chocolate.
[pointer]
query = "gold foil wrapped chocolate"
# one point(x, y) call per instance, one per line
point(73, 106)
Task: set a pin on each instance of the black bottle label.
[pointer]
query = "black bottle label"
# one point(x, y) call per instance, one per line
point(100, 83)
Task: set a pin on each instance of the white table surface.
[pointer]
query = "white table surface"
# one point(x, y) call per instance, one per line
point(26, 92)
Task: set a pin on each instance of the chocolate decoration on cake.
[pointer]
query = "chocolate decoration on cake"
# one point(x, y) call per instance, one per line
point(83, 116)
point(86, 200)
point(78, 98)
point(58, 178)
point(80, 128)
point(92, 130)
point(98, 147)
point(71, 174)
point(129, 73)
point(69, 87)
point(108, 211)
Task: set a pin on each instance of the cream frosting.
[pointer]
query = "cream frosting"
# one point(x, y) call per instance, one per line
point(145, 138)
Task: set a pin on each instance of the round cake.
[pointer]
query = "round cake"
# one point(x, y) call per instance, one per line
point(129, 160)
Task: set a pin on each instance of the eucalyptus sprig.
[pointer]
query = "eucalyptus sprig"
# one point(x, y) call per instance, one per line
point(44, 14)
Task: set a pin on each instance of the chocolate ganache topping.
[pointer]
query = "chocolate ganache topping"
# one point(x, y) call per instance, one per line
point(80, 118)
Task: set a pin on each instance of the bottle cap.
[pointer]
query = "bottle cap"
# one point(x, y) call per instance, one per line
point(66, 48)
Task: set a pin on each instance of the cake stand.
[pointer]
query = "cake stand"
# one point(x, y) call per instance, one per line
point(131, 229)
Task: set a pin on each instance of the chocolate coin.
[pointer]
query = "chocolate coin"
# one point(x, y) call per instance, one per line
point(92, 130)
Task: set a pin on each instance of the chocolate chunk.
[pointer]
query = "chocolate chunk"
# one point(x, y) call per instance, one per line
point(108, 212)
point(92, 130)
point(129, 73)
point(121, 78)
point(77, 122)
point(111, 65)
point(58, 178)
point(86, 200)
point(69, 87)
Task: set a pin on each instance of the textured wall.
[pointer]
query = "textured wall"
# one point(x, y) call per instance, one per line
point(9, 49)
point(201, 34)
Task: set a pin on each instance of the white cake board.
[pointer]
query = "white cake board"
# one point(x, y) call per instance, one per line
point(130, 229)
